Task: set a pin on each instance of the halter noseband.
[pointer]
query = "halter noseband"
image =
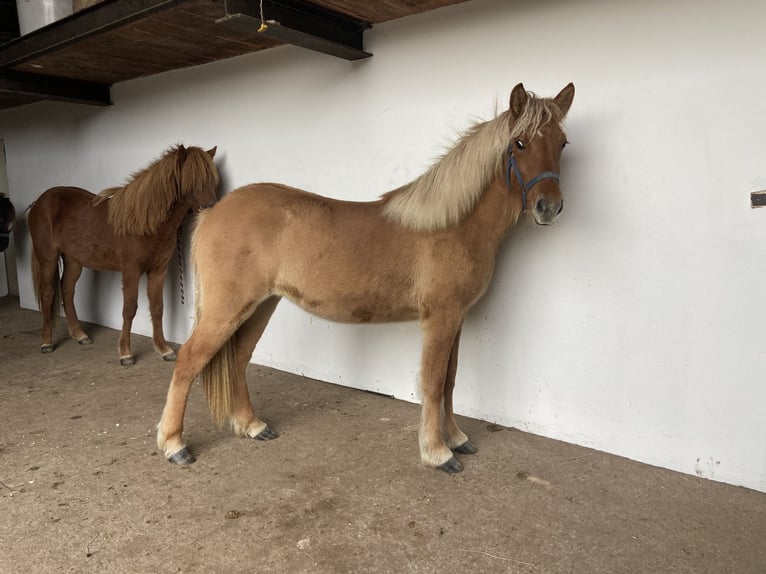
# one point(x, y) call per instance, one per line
point(525, 185)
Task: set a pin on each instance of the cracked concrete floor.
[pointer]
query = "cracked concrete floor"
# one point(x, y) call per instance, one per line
point(82, 488)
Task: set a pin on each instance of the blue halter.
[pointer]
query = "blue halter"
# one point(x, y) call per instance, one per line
point(525, 185)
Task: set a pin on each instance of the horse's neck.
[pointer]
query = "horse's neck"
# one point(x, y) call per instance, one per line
point(175, 217)
point(497, 210)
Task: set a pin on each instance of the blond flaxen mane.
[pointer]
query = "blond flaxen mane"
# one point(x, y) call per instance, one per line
point(142, 205)
point(449, 190)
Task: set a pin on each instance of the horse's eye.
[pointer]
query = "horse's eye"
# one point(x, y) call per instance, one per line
point(520, 144)
point(564, 144)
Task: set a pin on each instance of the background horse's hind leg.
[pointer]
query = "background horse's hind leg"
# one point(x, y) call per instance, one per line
point(456, 439)
point(72, 271)
point(130, 279)
point(243, 419)
point(155, 283)
point(439, 334)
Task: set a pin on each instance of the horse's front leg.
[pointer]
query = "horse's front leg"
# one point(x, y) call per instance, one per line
point(456, 439)
point(46, 278)
point(129, 306)
point(439, 334)
point(154, 287)
point(72, 272)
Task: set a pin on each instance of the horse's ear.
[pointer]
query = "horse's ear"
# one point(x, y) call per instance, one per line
point(518, 100)
point(211, 151)
point(565, 97)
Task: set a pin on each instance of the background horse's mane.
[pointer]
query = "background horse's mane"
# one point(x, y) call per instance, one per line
point(449, 190)
point(142, 205)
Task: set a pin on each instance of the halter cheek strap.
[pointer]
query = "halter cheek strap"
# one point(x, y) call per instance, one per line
point(525, 185)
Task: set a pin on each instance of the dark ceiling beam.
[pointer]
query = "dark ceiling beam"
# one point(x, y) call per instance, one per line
point(301, 24)
point(99, 18)
point(53, 88)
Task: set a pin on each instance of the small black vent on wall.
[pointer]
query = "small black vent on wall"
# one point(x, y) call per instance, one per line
point(758, 199)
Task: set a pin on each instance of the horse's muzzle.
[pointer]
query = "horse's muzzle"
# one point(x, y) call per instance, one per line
point(547, 211)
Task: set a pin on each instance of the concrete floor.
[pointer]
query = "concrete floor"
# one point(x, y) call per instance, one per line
point(82, 488)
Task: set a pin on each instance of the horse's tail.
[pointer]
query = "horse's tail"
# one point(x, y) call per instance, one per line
point(38, 281)
point(218, 382)
point(219, 373)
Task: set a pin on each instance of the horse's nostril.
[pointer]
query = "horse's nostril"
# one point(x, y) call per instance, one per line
point(561, 207)
point(540, 205)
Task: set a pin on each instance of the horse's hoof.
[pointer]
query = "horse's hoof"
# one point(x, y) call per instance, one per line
point(182, 457)
point(127, 361)
point(466, 448)
point(267, 434)
point(171, 356)
point(452, 466)
point(47, 348)
point(85, 341)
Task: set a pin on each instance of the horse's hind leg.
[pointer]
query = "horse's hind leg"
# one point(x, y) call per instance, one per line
point(243, 419)
point(155, 283)
point(193, 355)
point(129, 306)
point(456, 439)
point(214, 327)
point(439, 334)
point(72, 271)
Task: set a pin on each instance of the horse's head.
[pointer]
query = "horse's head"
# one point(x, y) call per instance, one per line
point(7, 219)
point(205, 181)
point(534, 153)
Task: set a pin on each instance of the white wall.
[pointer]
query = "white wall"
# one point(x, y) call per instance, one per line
point(633, 326)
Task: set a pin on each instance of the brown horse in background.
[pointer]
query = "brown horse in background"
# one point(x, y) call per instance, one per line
point(132, 229)
point(425, 251)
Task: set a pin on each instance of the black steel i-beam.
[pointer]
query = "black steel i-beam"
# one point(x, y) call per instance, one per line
point(100, 18)
point(301, 24)
point(52, 88)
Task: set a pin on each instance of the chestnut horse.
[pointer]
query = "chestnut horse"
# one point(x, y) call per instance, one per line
point(425, 251)
point(132, 229)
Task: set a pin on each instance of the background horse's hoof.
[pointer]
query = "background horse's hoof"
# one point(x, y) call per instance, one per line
point(85, 341)
point(182, 457)
point(267, 434)
point(171, 356)
point(47, 348)
point(127, 361)
point(452, 466)
point(466, 448)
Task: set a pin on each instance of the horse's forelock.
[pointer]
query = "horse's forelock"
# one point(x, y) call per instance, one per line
point(537, 113)
point(198, 171)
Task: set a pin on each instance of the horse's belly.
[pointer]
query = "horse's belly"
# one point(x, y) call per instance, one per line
point(351, 308)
